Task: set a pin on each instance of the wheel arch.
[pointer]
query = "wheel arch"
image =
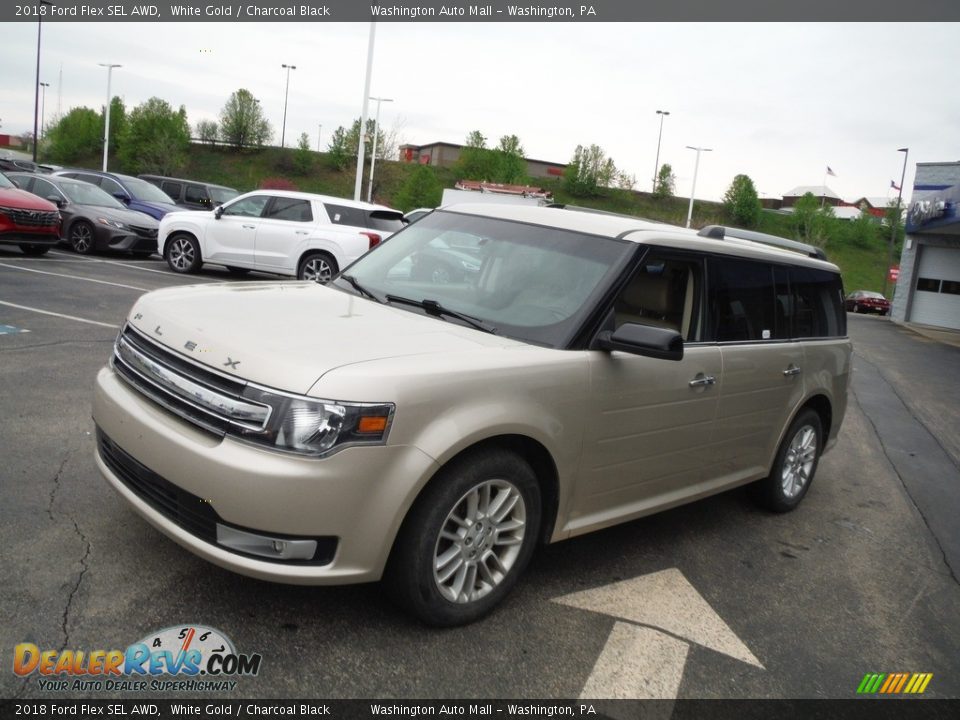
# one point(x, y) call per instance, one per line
point(172, 234)
point(317, 250)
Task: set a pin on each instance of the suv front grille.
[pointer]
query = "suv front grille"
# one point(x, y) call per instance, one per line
point(185, 509)
point(32, 218)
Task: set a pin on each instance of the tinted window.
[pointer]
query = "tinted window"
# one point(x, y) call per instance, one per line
point(248, 207)
point(818, 306)
point(951, 287)
point(664, 293)
point(742, 300)
point(342, 215)
point(283, 208)
point(196, 194)
point(45, 189)
point(111, 186)
point(384, 220)
point(928, 285)
point(172, 189)
point(23, 182)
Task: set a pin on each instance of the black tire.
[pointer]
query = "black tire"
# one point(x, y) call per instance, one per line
point(795, 464)
point(233, 270)
point(317, 266)
point(34, 250)
point(142, 254)
point(82, 237)
point(182, 253)
point(479, 560)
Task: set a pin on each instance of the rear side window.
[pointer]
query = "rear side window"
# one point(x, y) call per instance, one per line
point(343, 215)
point(742, 300)
point(196, 194)
point(384, 220)
point(283, 208)
point(818, 305)
point(172, 189)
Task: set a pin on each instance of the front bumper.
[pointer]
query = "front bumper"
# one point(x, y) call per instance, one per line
point(108, 239)
point(22, 237)
point(357, 496)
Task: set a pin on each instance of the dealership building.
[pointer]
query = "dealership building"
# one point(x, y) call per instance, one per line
point(928, 287)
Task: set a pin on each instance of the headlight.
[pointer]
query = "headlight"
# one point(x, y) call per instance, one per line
point(112, 223)
point(315, 427)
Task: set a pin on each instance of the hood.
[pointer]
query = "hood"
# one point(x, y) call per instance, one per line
point(286, 335)
point(17, 198)
point(130, 217)
point(160, 207)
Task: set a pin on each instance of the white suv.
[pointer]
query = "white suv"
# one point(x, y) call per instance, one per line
point(289, 233)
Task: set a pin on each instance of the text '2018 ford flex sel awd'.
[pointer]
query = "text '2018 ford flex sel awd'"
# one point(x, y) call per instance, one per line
point(430, 429)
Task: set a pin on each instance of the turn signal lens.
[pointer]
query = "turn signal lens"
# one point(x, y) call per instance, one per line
point(372, 424)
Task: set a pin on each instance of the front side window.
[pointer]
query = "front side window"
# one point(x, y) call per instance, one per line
point(247, 207)
point(46, 190)
point(664, 293)
point(112, 187)
point(284, 208)
point(196, 194)
point(532, 283)
point(172, 189)
point(143, 190)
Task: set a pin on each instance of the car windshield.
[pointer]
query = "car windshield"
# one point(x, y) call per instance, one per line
point(531, 283)
point(5, 182)
point(221, 195)
point(143, 190)
point(83, 193)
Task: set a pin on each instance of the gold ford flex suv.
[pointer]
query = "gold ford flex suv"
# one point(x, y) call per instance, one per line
point(490, 378)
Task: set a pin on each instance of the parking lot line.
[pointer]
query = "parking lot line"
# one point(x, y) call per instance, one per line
point(131, 267)
point(75, 277)
point(60, 315)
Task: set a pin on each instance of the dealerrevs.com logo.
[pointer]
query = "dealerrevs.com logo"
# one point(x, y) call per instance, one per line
point(180, 658)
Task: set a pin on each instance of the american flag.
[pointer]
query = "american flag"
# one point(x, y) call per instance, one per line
point(830, 171)
point(894, 186)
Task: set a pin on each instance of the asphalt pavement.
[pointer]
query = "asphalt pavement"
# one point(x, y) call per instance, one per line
point(862, 578)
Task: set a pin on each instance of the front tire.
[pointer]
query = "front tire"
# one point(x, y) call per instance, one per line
point(82, 237)
point(795, 464)
point(34, 250)
point(467, 539)
point(182, 254)
point(317, 266)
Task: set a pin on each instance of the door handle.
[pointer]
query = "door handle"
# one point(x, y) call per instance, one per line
point(249, 227)
point(702, 380)
point(792, 370)
point(302, 232)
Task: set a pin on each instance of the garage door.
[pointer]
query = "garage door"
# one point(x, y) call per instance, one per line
point(937, 299)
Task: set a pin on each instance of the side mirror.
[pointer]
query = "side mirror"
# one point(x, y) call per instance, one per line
point(122, 197)
point(645, 340)
point(218, 212)
point(57, 200)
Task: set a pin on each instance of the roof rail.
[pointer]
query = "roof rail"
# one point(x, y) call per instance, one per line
point(719, 232)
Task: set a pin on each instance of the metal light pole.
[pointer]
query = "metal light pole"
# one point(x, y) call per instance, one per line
point(319, 128)
point(656, 164)
point(363, 113)
point(106, 112)
point(36, 90)
point(286, 94)
point(896, 219)
point(373, 155)
point(43, 107)
point(693, 190)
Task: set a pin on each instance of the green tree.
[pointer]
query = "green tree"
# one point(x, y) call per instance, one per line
point(206, 131)
point(666, 182)
point(422, 189)
point(741, 203)
point(156, 138)
point(812, 222)
point(353, 140)
point(303, 158)
point(242, 122)
point(476, 161)
point(588, 171)
point(76, 135)
point(509, 164)
point(338, 152)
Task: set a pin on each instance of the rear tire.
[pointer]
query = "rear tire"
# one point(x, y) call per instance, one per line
point(317, 266)
point(182, 254)
point(795, 464)
point(467, 538)
point(34, 250)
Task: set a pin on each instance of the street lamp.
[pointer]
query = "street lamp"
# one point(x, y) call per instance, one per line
point(896, 219)
point(693, 190)
point(36, 91)
point(106, 112)
point(319, 129)
point(286, 94)
point(43, 106)
point(373, 156)
point(656, 164)
point(358, 184)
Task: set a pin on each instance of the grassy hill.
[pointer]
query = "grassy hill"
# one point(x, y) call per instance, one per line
point(863, 262)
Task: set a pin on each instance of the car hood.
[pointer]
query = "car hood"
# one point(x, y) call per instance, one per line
point(130, 217)
point(287, 335)
point(15, 197)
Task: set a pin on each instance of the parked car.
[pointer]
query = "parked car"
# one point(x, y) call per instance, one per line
point(866, 301)
point(431, 435)
point(191, 194)
point(29, 222)
point(91, 219)
point(12, 164)
point(415, 215)
point(299, 234)
point(133, 192)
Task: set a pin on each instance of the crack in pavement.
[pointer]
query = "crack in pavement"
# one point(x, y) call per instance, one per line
point(893, 466)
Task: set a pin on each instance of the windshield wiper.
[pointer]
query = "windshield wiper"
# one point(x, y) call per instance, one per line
point(355, 284)
point(432, 307)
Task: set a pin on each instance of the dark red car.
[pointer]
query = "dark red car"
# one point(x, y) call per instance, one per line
point(26, 220)
point(866, 301)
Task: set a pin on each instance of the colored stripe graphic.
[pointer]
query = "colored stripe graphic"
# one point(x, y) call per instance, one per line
point(894, 683)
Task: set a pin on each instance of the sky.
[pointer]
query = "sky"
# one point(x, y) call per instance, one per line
point(777, 102)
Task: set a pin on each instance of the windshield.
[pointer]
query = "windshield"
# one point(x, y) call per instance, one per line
point(83, 193)
point(532, 283)
point(5, 182)
point(219, 195)
point(142, 190)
